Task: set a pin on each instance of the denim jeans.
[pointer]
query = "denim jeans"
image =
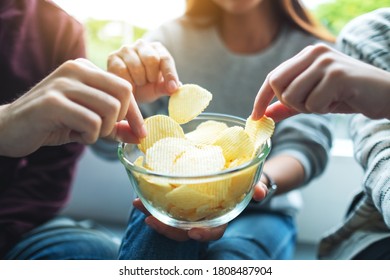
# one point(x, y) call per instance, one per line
point(65, 239)
point(254, 234)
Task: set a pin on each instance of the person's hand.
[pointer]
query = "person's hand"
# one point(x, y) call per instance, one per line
point(78, 102)
point(322, 80)
point(149, 67)
point(199, 234)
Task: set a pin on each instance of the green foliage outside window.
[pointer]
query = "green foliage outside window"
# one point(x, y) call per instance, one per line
point(99, 47)
point(337, 13)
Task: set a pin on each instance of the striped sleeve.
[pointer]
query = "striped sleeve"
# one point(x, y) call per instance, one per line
point(367, 38)
point(372, 151)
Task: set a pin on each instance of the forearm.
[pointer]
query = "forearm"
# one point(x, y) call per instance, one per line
point(287, 172)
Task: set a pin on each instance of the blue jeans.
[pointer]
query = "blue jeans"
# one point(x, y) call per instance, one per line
point(253, 235)
point(65, 239)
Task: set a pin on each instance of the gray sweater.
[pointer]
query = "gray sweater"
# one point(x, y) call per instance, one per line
point(234, 80)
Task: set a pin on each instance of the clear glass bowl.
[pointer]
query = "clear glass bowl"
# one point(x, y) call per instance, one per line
point(212, 199)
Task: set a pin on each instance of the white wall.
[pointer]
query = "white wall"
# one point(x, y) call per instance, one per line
point(327, 198)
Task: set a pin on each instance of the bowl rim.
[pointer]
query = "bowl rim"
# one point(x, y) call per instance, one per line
point(262, 155)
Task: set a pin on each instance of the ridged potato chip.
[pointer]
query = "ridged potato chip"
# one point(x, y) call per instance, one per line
point(188, 102)
point(206, 133)
point(218, 190)
point(159, 127)
point(164, 153)
point(241, 183)
point(139, 161)
point(199, 161)
point(235, 143)
point(154, 190)
point(186, 198)
point(259, 131)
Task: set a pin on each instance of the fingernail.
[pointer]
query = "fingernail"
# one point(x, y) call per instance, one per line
point(195, 235)
point(142, 131)
point(254, 116)
point(172, 86)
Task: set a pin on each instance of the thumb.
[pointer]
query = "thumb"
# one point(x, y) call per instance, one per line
point(278, 111)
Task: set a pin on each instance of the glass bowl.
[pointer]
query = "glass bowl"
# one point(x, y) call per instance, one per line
point(209, 200)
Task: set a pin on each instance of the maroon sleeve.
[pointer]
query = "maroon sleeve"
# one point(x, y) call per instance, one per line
point(35, 38)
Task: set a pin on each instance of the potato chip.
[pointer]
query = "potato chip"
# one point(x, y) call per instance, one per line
point(218, 190)
point(235, 142)
point(259, 131)
point(139, 161)
point(206, 133)
point(238, 161)
point(164, 153)
point(187, 198)
point(241, 183)
point(199, 161)
point(154, 190)
point(188, 102)
point(159, 127)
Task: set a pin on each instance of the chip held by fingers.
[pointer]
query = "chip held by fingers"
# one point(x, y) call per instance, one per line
point(188, 102)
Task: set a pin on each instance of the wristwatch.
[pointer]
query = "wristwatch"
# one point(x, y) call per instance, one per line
point(271, 186)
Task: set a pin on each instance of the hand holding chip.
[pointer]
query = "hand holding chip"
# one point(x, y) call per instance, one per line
point(149, 67)
point(323, 80)
point(77, 102)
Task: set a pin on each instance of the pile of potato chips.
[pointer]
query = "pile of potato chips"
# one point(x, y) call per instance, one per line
point(191, 158)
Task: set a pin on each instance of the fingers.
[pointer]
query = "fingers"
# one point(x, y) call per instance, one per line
point(104, 105)
point(263, 98)
point(122, 132)
point(135, 118)
point(278, 111)
point(88, 74)
point(168, 68)
point(278, 80)
point(207, 234)
point(200, 234)
point(260, 191)
point(167, 231)
point(137, 203)
point(148, 66)
point(108, 96)
point(83, 125)
point(150, 60)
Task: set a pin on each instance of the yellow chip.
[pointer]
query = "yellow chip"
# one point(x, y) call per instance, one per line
point(139, 161)
point(218, 190)
point(159, 127)
point(199, 161)
point(259, 131)
point(238, 161)
point(235, 143)
point(186, 198)
point(241, 183)
point(162, 156)
point(188, 102)
point(154, 190)
point(206, 133)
